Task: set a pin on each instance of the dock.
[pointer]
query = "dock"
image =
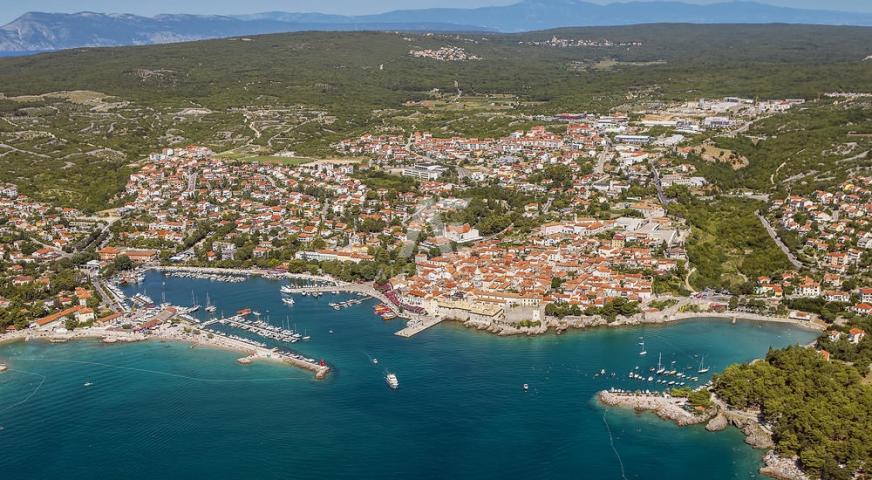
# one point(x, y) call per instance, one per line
point(354, 288)
point(257, 352)
point(418, 325)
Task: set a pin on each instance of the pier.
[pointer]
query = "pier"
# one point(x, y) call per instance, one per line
point(354, 288)
point(418, 325)
point(255, 351)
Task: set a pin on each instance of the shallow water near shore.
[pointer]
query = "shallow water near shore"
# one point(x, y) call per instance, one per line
point(167, 410)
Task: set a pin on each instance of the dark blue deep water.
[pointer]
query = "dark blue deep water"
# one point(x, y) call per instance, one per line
point(165, 410)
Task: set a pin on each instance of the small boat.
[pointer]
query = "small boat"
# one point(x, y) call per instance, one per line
point(392, 381)
point(331, 332)
point(643, 351)
point(375, 361)
point(660, 368)
point(88, 384)
point(288, 301)
point(3, 367)
point(702, 369)
point(526, 387)
point(286, 289)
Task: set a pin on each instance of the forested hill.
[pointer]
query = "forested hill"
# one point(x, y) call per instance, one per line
point(321, 67)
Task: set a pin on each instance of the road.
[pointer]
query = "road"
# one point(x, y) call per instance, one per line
point(660, 194)
point(772, 233)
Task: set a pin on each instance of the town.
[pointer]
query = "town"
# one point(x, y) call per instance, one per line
point(562, 225)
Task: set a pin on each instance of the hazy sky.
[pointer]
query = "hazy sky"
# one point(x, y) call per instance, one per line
point(10, 9)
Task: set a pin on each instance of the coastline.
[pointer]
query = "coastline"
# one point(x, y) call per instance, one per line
point(716, 418)
point(254, 352)
point(549, 324)
point(559, 326)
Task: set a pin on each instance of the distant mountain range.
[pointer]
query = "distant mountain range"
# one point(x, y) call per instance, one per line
point(53, 31)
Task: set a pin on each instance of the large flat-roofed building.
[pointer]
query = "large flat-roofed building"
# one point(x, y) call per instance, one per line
point(332, 256)
point(424, 172)
point(633, 139)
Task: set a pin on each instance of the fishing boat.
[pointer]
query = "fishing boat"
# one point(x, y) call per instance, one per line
point(392, 381)
point(702, 369)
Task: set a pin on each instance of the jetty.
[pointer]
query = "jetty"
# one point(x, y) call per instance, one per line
point(418, 325)
point(254, 351)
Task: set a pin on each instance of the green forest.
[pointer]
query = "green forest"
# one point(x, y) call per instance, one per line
point(818, 410)
point(728, 246)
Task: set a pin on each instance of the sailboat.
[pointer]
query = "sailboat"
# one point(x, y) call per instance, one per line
point(194, 306)
point(660, 367)
point(702, 369)
point(209, 307)
point(643, 351)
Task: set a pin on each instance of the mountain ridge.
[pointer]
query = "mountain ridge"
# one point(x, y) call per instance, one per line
point(41, 31)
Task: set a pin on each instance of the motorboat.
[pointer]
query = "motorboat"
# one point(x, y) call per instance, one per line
point(392, 381)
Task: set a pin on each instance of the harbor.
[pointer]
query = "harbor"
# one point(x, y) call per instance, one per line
point(244, 379)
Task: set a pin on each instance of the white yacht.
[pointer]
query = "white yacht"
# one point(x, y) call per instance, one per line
point(702, 369)
point(287, 300)
point(287, 289)
point(392, 381)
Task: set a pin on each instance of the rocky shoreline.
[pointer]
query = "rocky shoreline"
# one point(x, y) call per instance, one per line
point(559, 326)
point(717, 418)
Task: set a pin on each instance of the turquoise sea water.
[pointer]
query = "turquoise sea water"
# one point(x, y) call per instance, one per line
point(165, 410)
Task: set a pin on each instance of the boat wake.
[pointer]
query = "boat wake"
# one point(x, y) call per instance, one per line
point(29, 395)
point(612, 443)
